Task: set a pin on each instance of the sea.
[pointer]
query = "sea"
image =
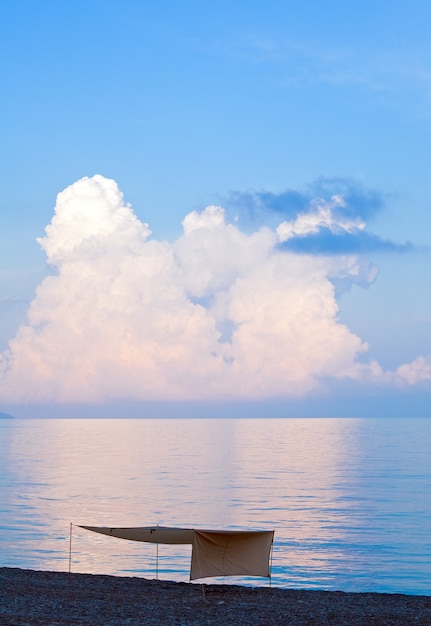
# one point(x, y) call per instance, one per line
point(349, 499)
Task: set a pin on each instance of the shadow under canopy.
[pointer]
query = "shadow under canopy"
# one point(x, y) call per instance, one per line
point(214, 552)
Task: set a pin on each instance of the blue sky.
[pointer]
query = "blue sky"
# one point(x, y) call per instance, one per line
point(309, 114)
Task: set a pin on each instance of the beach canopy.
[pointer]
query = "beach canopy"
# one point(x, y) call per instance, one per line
point(214, 552)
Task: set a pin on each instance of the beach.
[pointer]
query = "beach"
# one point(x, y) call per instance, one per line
point(42, 598)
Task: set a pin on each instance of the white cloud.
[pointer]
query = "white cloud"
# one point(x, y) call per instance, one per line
point(90, 214)
point(418, 371)
point(320, 216)
point(216, 314)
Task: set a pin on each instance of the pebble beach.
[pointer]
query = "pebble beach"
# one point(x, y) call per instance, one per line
point(39, 598)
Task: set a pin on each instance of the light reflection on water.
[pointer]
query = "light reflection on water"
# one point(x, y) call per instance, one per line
point(349, 499)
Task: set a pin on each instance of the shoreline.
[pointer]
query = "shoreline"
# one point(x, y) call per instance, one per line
point(46, 598)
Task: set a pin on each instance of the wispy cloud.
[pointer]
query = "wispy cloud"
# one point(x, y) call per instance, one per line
point(326, 242)
point(11, 303)
point(357, 200)
point(328, 217)
point(393, 75)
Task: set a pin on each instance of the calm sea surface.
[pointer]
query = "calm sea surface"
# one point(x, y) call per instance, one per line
point(349, 499)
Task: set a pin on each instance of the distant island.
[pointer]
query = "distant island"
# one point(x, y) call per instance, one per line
point(6, 416)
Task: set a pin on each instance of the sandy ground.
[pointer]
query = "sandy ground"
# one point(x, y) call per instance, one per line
point(35, 598)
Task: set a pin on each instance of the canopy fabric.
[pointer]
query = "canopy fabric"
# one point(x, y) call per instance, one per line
point(214, 552)
point(225, 553)
point(150, 534)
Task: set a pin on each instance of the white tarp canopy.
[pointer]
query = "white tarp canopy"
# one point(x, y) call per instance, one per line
point(214, 552)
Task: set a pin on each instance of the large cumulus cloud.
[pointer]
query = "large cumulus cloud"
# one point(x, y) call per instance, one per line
point(217, 314)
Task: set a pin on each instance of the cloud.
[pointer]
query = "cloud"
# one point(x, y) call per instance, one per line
point(327, 242)
point(257, 204)
point(216, 314)
point(327, 219)
point(419, 371)
point(10, 303)
point(358, 202)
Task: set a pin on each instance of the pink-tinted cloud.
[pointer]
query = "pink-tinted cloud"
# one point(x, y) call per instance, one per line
point(217, 314)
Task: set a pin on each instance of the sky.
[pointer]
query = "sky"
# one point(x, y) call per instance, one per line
point(215, 209)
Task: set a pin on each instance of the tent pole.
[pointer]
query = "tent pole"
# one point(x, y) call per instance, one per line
point(199, 561)
point(157, 561)
point(270, 563)
point(70, 550)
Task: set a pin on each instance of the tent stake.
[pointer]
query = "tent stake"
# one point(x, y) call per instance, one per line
point(203, 592)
